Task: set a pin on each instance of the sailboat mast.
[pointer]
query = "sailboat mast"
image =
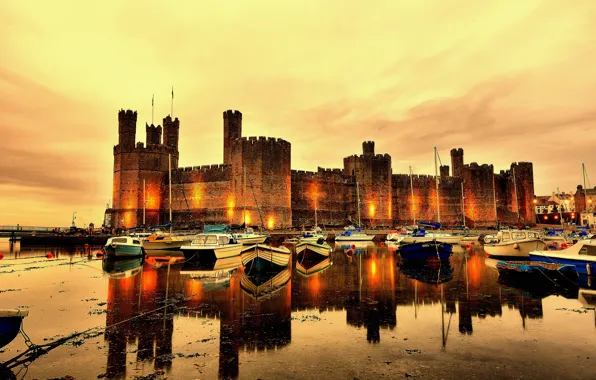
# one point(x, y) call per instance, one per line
point(244, 194)
point(437, 186)
point(463, 203)
point(358, 196)
point(170, 175)
point(585, 198)
point(144, 202)
point(495, 200)
point(412, 191)
point(316, 222)
point(516, 200)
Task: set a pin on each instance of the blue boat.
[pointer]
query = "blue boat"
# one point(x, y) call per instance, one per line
point(10, 324)
point(424, 250)
point(538, 269)
point(581, 254)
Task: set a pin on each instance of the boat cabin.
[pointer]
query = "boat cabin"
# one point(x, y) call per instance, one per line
point(508, 236)
point(213, 240)
point(124, 240)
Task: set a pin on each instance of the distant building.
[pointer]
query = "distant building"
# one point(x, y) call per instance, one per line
point(554, 208)
point(257, 170)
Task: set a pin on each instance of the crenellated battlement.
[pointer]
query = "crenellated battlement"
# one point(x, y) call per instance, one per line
point(329, 171)
point(264, 140)
point(127, 114)
point(205, 168)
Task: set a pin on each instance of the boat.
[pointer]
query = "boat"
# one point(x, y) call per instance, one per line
point(250, 237)
point(422, 236)
point(424, 250)
point(397, 235)
point(582, 254)
point(314, 235)
point(352, 233)
point(536, 270)
point(308, 267)
point(264, 284)
point(262, 256)
point(216, 242)
point(123, 246)
point(310, 249)
point(10, 324)
point(513, 243)
point(555, 238)
point(159, 240)
point(215, 275)
point(122, 268)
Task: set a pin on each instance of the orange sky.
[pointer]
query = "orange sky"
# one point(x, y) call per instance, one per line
point(513, 81)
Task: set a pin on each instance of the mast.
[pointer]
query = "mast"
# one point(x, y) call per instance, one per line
point(244, 194)
point(437, 186)
point(358, 196)
point(495, 201)
point(316, 224)
point(516, 200)
point(144, 202)
point(170, 178)
point(463, 203)
point(412, 191)
point(257, 203)
point(585, 197)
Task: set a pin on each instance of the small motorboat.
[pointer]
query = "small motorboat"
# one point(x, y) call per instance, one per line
point(314, 235)
point(262, 256)
point(424, 250)
point(582, 254)
point(218, 246)
point(10, 324)
point(162, 241)
point(311, 249)
point(397, 235)
point(123, 246)
point(250, 237)
point(513, 243)
point(352, 233)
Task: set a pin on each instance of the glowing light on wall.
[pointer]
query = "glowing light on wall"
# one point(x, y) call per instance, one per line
point(545, 217)
point(230, 204)
point(270, 223)
point(247, 218)
point(196, 195)
point(371, 210)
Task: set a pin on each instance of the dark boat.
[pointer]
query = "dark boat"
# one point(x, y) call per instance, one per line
point(537, 271)
point(424, 250)
point(10, 324)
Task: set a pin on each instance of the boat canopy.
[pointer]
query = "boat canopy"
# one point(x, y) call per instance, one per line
point(216, 229)
point(153, 228)
point(430, 224)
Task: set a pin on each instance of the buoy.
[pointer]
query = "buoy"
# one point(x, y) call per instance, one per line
point(515, 246)
point(353, 246)
point(1, 255)
point(554, 243)
point(283, 244)
point(473, 243)
point(49, 255)
point(563, 245)
point(467, 246)
point(382, 244)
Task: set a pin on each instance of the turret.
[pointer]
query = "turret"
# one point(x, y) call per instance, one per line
point(368, 148)
point(171, 129)
point(457, 162)
point(444, 170)
point(153, 134)
point(127, 129)
point(232, 130)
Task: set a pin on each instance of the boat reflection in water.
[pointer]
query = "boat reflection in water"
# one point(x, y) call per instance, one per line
point(213, 275)
point(260, 284)
point(427, 271)
point(122, 268)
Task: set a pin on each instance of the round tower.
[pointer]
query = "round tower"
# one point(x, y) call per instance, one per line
point(153, 134)
point(171, 130)
point(127, 129)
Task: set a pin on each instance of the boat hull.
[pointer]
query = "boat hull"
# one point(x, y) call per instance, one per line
point(426, 250)
point(220, 252)
point(449, 239)
point(264, 257)
point(10, 325)
point(509, 250)
point(309, 249)
point(162, 245)
point(251, 240)
point(354, 238)
point(121, 250)
point(583, 264)
point(535, 270)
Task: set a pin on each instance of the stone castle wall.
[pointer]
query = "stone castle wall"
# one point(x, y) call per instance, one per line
point(219, 193)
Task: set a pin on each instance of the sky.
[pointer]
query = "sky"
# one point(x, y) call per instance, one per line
point(506, 81)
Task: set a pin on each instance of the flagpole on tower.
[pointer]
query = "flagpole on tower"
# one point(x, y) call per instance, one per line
point(172, 112)
point(152, 108)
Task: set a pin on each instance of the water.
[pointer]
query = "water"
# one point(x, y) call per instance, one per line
point(360, 317)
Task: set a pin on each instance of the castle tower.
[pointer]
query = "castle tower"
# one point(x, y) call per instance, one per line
point(444, 171)
point(232, 130)
point(368, 148)
point(171, 130)
point(457, 162)
point(153, 134)
point(127, 129)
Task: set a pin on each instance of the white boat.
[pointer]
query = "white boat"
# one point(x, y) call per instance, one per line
point(262, 256)
point(210, 245)
point(314, 235)
point(555, 239)
point(123, 246)
point(309, 248)
point(513, 243)
point(581, 254)
point(162, 241)
point(249, 237)
point(432, 236)
point(397, 235)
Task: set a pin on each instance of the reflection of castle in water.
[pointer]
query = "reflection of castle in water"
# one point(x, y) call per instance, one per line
point(368, 286)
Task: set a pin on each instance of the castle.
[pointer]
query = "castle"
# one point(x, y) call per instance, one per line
point(256, 173)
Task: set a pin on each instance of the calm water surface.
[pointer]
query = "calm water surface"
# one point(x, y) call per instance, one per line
point(360, 314)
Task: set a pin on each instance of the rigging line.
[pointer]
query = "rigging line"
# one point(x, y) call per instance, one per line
point(186, 200)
